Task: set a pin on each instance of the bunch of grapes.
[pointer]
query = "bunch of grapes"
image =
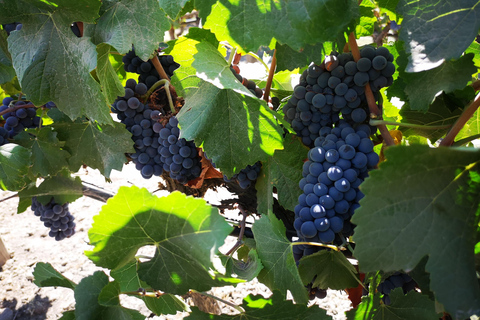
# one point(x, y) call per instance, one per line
point(137, 118)
point(246, 176)
point(146, 70)
point(16, 121)
point(12, 27)
point(337, 87)
point(56, 217)
point(397, 280)
point(335, 169)
point(179, 156)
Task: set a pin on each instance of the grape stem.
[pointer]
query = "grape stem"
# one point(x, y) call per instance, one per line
point(239, 242)
point(142, 292)
point(15, 108)
point(228, 303)
point(461, 121)
point(158, 66)
point(317, 244)
point(374, 122)
point(166, 85)
point(233, 52)
point(466, 140)
point(271, 73)
point(372, 105)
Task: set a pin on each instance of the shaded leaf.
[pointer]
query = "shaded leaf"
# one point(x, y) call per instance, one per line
point(330, 269)
point(185, 231)
point(7, 73)
point(246, 269)
point(14, 164)
point(172, 7)
point(422, 201)
point(111, 85)
point(437, 31)
point(290, 59)
point(275, 251)
point(46, 276)
point(108, 297)
point(68, 315)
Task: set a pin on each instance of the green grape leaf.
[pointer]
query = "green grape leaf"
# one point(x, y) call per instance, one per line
point(87, 307)
point(46, 276)
point(434, 32)
point(450, 76)
point(247, 269)
point(438, 114)
point(185, 231)
point(140, 23)
point(283, 171)
point(68, 315)
point(367, 20)
point(272, 308)
point(14, 164)
point(422, 278)
point(109, 296)
point(290, 59)
point(250, 24)
point(412, 305)
point(99, 147)
point(48, 157)
point(46, 46)
point(275, 251)
point(172, 8)
point(129, 281)
point(422, 201)
point(471, 128)
point(111, 85)
point(475, 49)
point(331, 269)
point(234, 130)
point(7, 73)
point(62, 187)
point(388, 4)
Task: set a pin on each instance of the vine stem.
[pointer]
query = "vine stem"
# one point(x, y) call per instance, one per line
point(238, 308)
point(240, 235)
point(317, 244)
point(374, 122)
point(271, 72)
point(156, 85)
point(159, 68)
point(372, 105)
point(461, 121)
point(15, 108)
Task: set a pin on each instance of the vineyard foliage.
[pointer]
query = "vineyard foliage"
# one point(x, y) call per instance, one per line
point(420, 212)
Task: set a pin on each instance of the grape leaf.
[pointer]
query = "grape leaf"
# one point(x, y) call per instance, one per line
point(14, 164)
point(62, 187)
point(289, 59)
point(471, 128)
point(46, 276)
point(331, 269)
point(250, 24)
point(129, 281)
point(275, 251)
point(140, 23)
point(99, 147)
point(111, 85)
point(87, 293)
point(51, 61)
point(109, 296)
point(367, 20)
point(185, 231)
point(68, 315)
point(272, 308)
point(7, 73)
point(47, 157)
point(172, 8)
point(283, 170)
point(437, 31)
point(438, 114)
point(388, 4)
point(412, 305)
point(422, 201)
point(245, 270)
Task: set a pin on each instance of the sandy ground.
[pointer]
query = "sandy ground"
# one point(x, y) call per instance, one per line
point(28, 242)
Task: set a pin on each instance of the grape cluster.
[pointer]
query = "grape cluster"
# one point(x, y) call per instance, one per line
point(56, 217)
point(397, 280)
point(337, 87)
point(336, 167)
point(249, 84)
point(12, 27)
point(16, 121)
point(146, 70)
point(179, 156)
point(137, 118)
point(246, 176)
